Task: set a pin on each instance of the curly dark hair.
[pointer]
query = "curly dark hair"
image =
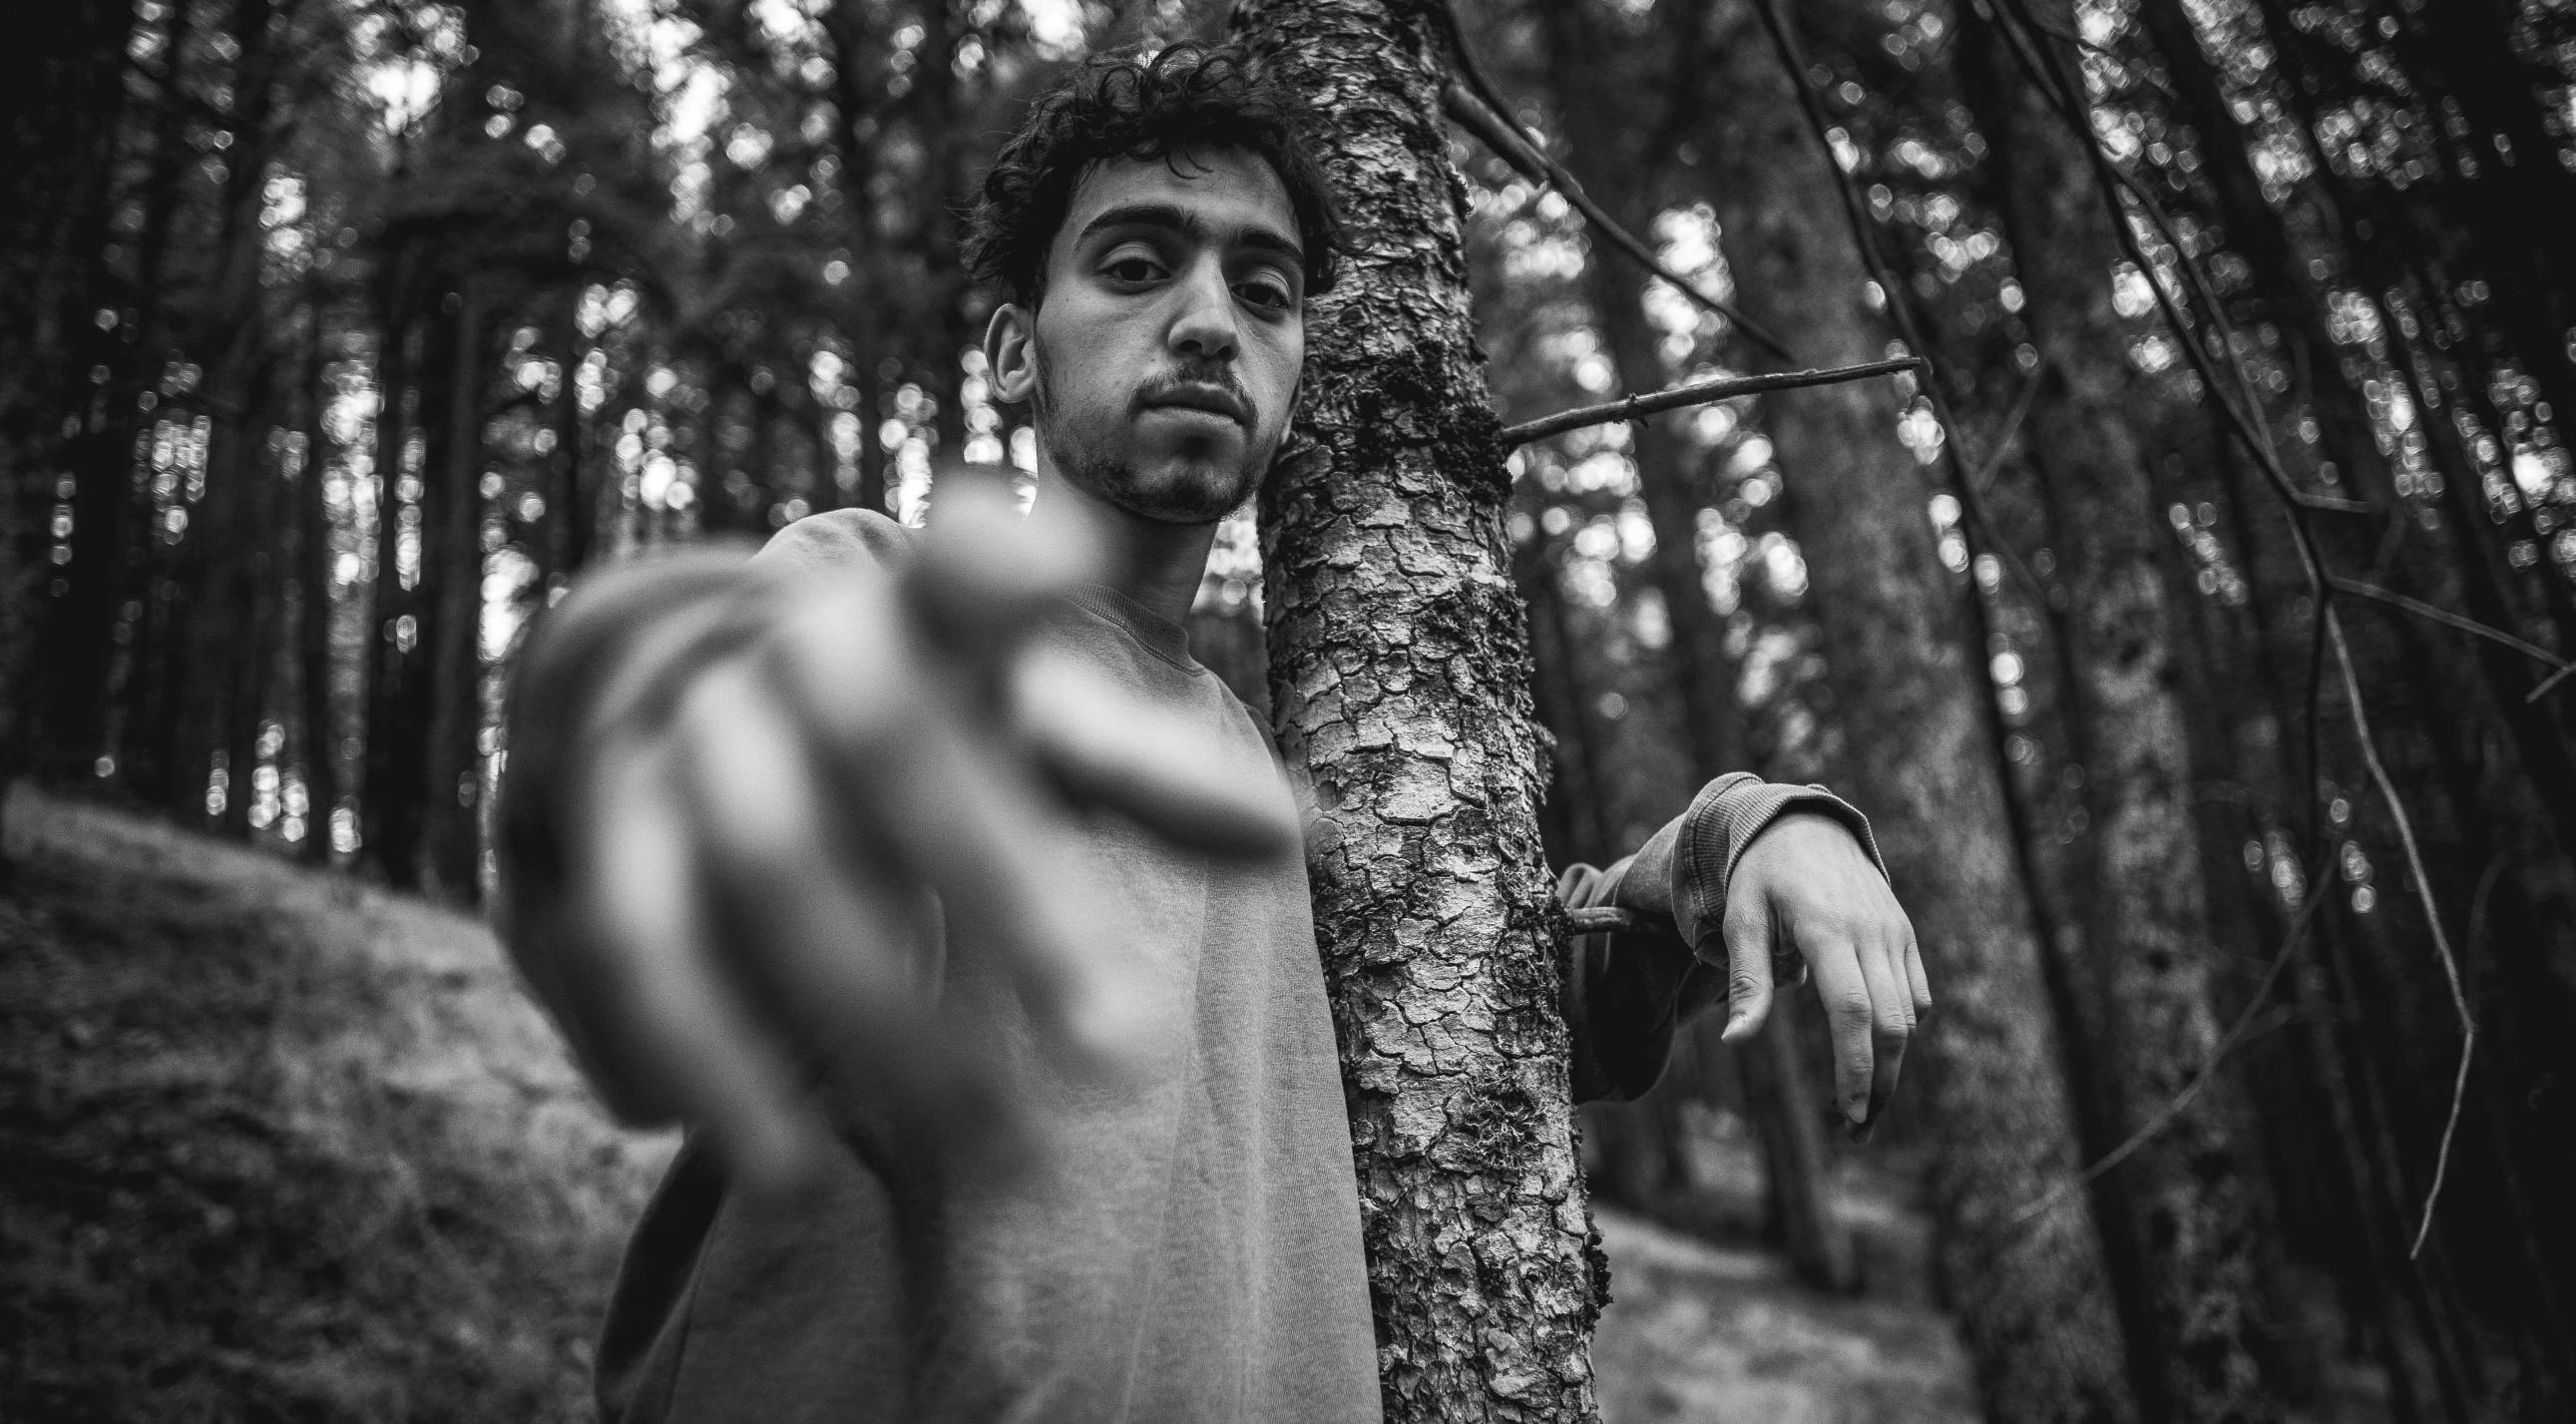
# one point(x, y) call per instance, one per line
point(1142, 106)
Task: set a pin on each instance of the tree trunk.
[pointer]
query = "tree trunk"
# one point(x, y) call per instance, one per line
point(2191, 1207)
point(65, 109)
point(418, 357)
point(65, 113)
point(1780, 1092)
point(2460, 701)
point(319, 752)
point(452, 635)
point(1400, 683)
point(1904, 663)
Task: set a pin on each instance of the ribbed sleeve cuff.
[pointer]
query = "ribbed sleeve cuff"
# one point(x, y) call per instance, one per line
point(1721, 822)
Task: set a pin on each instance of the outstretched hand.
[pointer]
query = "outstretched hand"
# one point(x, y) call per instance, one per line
point(749, 909)
point(1805, 883)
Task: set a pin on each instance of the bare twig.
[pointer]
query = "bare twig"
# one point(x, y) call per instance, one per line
point(2336, 503)
point(1476, 105)
point(1699, 393)
point(2432, 919)
point(2422, 609)
point(2002, 443)
point(2249, 425)
point(1983, 536)
point(2549, 682)
point(2236, 1033)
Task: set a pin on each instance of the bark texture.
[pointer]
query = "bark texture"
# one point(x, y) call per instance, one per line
point(1400, 683)
point(1903, 662)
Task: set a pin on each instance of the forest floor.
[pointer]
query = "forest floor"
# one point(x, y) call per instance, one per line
point(281, 1145)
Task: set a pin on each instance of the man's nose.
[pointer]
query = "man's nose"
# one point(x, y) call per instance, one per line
point(1205, 326)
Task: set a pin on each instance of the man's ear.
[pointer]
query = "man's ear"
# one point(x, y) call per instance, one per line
point(1010, 353)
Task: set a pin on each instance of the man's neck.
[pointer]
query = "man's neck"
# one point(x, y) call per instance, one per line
point(1158, 565)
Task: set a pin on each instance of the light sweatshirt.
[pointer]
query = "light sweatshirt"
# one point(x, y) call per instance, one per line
point(1192, 1250)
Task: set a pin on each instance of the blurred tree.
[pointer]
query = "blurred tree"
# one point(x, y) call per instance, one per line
point(64, 112)
point(2185, 1200)
point(1629, 152)
point(1904, 641)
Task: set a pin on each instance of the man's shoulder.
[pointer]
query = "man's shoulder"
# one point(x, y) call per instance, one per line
point(836, 539)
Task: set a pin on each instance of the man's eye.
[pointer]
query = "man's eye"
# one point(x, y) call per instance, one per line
point(1269, 296)
point(1131, 269)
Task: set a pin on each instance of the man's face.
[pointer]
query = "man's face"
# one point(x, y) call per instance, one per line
point(1163, 356)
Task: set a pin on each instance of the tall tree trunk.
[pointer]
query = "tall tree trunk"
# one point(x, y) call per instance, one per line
point(419, 359)
point(1904, 661)
point(64, 108)
point(1780, 1092)
point(1400, 682)
point(452, 635)
point(2191, 1208)
point(2501, 786)
point(319, 752)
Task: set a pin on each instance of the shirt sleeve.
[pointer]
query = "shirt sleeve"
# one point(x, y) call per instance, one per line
point(1624, 993)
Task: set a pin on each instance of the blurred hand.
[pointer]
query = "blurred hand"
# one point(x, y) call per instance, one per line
point(749, 910)
point(1805, 883)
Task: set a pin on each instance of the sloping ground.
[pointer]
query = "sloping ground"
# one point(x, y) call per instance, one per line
point(277, 1146)
point(1700, 1332)
point(274, 1145)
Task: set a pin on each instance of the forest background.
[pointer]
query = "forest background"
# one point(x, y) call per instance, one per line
point(2194, 625)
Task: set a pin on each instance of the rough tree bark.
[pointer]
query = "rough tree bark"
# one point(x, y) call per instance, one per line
point(2190, 1206)
point(1903, 661)
point(1400, 682)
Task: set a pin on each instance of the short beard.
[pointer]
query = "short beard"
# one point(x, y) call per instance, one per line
point(1110, 478)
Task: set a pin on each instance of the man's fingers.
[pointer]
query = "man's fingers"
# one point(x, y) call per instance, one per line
point(1748, 929)
point(963, 817)
point(1891, 1017)
point(985, 574)
point(676, 1027)
point(960, 812)
point(1103, 746)
point(1844, 990)
point(833, 952)
point(1915, 979)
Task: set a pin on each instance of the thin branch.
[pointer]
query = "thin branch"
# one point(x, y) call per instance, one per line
point(2422, 609)
point(2002, 446)
point(1482, 116)
point(2432, 919)
point(2236, 1034)
point(1982, 534)
point(2250, 426)
point(2336, 503)
point(1699, 393)
point(2549, 682)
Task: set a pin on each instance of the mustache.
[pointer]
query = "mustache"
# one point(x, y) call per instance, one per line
point(1195, 377)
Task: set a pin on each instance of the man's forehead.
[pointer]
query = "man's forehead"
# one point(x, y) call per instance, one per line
point(1228, 189)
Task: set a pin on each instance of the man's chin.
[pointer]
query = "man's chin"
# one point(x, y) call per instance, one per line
point(1188, 494)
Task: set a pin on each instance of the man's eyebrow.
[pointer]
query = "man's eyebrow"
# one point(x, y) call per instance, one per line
point(1175, 218)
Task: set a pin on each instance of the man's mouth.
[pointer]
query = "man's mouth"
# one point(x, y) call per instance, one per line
point(1200, 395)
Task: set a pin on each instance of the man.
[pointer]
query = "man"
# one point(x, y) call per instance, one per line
point(955, 908)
